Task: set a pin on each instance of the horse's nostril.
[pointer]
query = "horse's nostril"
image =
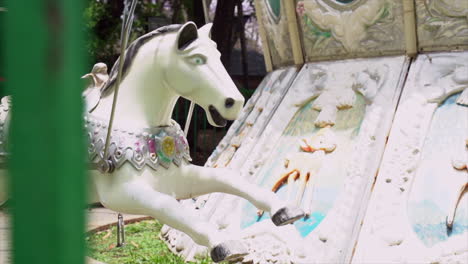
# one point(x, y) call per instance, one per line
point(229, 103)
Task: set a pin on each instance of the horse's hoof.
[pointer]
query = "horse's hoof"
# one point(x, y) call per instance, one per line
point(229, 251)
point(287, 215)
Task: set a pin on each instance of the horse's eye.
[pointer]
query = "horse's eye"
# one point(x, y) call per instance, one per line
point(197, 60)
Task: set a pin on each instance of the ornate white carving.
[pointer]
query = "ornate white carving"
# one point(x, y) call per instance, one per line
point(347, 27)
point(305, 167)
point(281, 246)
point(332, 241)
point(277, 34)
point(332, 29)
point(338, 91)
point(386, 235)
point(442, 24)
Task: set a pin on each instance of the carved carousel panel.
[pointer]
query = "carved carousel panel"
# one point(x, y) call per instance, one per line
point(418, 212)
point(350, 28)
point(254, 117)
point(235, 147)
point(274, 21)
point(320, 151)
point(442, 24)
point(328, 135)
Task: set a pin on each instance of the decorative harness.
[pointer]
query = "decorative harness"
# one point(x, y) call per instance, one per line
point(153, 147)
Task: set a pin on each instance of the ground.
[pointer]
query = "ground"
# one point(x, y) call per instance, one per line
point(142, 246)
point(152, 251)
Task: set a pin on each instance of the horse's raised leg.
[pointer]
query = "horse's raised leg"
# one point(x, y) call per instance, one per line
point(166, 209)
point(208, 180)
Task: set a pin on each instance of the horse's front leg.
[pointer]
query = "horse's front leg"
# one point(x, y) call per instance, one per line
point(166, 209)
point(209, 180)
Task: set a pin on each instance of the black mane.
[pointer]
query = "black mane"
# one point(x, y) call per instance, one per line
point(130, 53)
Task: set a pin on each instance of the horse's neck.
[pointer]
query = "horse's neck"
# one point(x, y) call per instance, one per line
point(139, 106)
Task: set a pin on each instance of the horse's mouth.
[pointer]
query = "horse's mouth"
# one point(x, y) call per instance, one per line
point(216, 116)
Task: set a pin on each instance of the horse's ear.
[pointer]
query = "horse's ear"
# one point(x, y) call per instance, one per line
point(206, 30)
point(186, 35)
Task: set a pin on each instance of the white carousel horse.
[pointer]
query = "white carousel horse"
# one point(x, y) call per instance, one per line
point(148, 149)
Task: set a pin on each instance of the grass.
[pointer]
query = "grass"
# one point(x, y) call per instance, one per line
point(142, 246)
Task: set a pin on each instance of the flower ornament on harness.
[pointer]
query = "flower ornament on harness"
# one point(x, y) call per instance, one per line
point(153, 147)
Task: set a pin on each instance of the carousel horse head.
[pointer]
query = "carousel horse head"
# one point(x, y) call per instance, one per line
point(171, 62)
point(196, 73)
point(178, 60)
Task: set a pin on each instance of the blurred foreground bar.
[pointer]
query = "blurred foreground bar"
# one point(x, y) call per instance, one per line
point(44, 60)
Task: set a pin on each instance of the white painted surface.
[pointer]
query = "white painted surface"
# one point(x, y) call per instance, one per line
point(387, 235)
point(341, 224)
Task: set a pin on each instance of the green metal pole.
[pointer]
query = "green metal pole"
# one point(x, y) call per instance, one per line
point(2, 44)
point(44, 60)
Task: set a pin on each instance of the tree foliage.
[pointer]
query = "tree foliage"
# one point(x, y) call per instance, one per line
point(103, 23)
